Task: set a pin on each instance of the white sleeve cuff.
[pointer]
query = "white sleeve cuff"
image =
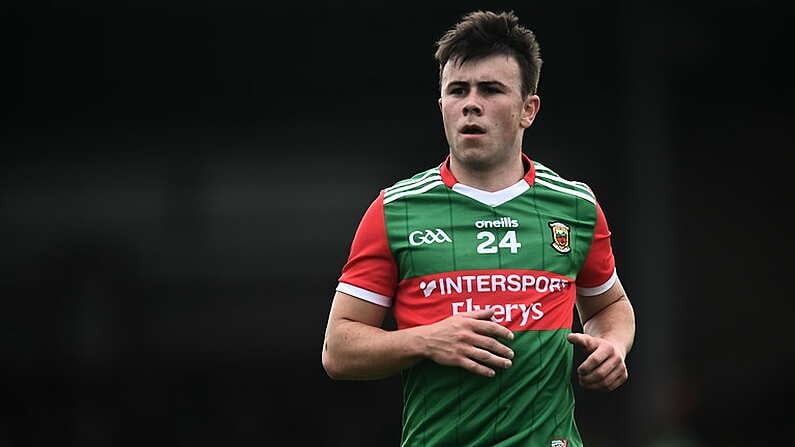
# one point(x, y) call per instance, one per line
point(364, 294)
point(591, 291)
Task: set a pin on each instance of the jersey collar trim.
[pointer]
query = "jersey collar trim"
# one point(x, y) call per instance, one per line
point(449, 179)
point(495, 198)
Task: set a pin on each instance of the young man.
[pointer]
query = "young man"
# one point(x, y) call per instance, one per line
point(482, 260)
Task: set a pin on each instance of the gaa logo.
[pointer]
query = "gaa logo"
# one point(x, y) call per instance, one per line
point(436, 236)
point(559, 443)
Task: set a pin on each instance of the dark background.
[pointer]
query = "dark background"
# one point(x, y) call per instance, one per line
point(181, 182)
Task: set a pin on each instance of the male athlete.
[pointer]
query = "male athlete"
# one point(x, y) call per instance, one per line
point(482, 260)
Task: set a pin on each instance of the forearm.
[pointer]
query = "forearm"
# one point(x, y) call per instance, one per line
point(358, 351)
point(615, 322)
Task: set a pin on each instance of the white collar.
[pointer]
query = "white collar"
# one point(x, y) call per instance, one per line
point(494, 198)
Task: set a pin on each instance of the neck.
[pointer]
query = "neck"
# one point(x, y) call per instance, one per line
point(489, 178)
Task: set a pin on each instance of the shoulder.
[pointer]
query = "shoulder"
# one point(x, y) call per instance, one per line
point(547, 178)
point(417, 184)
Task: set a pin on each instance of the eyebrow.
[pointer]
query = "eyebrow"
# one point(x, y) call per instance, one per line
point(479, 84)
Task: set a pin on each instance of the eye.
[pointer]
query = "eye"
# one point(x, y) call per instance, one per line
point(490, 90)
point(456, 91)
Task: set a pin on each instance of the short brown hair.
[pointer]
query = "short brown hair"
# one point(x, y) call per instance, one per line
point(484, 33)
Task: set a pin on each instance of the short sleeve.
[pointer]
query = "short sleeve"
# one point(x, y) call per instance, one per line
point(598, 273)
point(370, 272)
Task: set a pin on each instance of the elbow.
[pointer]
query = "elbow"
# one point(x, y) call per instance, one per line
point(331, 370)
point(331, 365)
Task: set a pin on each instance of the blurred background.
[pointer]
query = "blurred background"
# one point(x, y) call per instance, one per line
point(182, 180)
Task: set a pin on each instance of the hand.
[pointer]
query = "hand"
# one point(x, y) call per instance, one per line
point(466, 340)
point(604, 368)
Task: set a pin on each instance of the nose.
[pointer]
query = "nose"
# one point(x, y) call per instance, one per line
point(472, 106)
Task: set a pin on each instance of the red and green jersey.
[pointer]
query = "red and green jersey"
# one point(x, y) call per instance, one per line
point(430, 247)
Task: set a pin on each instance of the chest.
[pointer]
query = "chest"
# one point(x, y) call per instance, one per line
point(444, 231)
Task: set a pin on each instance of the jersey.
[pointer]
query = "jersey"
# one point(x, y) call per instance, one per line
point(430, 247)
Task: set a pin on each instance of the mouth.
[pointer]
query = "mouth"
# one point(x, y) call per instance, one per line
point(472, 130)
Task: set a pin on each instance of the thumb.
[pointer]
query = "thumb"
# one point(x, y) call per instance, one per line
point(584, 341)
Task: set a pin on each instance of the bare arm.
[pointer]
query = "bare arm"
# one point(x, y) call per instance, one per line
point(609, 331)
point(357, 348)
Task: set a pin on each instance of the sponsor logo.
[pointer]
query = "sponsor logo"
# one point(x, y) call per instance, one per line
point(502, 222)
point(420, 237)
point(427, 288)
point(503, 312)
point(560, 442)
point(560, 236)
point(461, 284)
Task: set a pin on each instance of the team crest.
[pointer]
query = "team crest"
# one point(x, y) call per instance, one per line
point(560, 442)
point(560, 240)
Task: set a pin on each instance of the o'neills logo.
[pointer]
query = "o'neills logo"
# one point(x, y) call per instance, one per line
point(502, 222)
point(503, 313)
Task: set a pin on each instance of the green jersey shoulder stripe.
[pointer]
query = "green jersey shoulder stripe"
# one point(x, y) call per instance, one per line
point(396, 189)
point(541, 167)
point(418, 184)
point(416, 178)
point(427, 187)
point(550, 179)
point(573, 192)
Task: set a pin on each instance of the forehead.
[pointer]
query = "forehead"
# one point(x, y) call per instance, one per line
point(498, 67)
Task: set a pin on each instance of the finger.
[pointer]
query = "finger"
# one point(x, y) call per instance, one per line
point(592, 362)
point(612, 381)
point(584, 341)
point(489, 358)
point(475, 367)
point(493, 346)
point(480, 314)
point(601, 373)
point(617, 379)
point(494, 329)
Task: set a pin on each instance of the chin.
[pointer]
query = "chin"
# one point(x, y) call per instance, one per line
point(475, 158)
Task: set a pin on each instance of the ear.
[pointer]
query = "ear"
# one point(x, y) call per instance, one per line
point(440, 103)
point(529, 111)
